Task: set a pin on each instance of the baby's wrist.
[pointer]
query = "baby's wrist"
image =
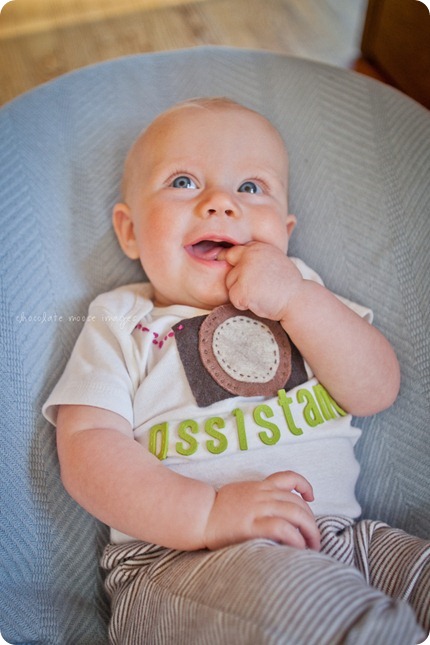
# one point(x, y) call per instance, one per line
point(297, 298)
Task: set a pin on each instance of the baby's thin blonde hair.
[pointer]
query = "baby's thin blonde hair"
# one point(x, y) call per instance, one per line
point(205, 102)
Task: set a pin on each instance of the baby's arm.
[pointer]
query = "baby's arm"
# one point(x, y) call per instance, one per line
point(350, 357)
point(121, 483)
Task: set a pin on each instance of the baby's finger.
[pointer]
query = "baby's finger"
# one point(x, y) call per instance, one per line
point(301, 535)
point(288, 510)
point(289, 498)
point(310, 533)
point(305, 524)
point(290, 480)
point(279, 530)
point(231, 255)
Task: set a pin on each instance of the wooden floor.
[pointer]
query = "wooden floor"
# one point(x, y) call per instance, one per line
point(41, 39)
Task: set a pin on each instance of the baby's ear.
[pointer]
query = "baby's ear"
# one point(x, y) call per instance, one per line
point(290, 224)
point(124, 229)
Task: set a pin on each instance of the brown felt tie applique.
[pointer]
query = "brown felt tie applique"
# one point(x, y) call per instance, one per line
point(235, 353)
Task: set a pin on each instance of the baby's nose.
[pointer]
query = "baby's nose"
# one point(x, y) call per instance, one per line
point(214, 211)
point(219, 202)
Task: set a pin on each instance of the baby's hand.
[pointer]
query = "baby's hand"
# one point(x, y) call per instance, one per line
point(262, 279)
point(266, 509)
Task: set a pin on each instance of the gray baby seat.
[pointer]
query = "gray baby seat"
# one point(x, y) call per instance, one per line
point(360, 187)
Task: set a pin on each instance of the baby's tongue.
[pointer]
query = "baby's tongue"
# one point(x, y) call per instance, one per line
point(207, 249)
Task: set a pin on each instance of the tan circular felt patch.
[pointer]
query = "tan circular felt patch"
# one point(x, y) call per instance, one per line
point(245, 354)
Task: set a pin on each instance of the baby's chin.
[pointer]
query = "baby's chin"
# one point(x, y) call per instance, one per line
point(212, 298)
point(206, 301)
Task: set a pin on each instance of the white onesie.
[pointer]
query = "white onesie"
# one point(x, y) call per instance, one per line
point(219, 396)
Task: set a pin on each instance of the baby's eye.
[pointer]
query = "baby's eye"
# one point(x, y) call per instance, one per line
point(249, 187)
point(183, 182)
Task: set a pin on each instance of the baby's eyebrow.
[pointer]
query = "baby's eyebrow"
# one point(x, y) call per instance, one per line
point(172, 167)
point(271, 175)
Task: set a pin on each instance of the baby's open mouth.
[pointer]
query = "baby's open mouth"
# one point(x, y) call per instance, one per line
point(208, 249)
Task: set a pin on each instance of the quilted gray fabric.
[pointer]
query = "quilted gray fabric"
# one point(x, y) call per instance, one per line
point(360, 169)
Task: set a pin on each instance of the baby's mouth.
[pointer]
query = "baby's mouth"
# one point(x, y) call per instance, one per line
point(208, 249)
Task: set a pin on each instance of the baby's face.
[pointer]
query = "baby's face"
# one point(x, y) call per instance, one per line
point(201, 179)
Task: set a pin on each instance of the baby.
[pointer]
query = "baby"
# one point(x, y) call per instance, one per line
point(205, 415)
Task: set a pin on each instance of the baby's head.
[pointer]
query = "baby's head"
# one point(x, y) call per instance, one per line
point(206, 174)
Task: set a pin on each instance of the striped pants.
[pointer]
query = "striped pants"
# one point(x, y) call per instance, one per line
point(262, 593)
